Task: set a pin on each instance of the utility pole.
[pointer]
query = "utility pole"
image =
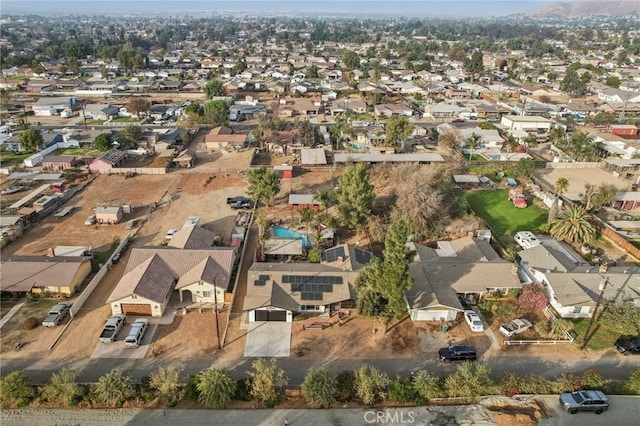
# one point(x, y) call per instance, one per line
point(215, 310)
point(601, 287)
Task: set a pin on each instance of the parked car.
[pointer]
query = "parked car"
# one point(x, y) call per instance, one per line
point(628, 345)
point(236, 199)
point(584, 400)
point(243, 204)
point(116, 258)
point(457, 353)
point(138, 329)
point(57, 314)
point(91, 220)
point(515, 326)
point(170, 233)
point(458, 120)
point(111, 328)
point(474, 321)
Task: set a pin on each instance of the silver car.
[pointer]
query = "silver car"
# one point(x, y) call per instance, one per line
point(585, 400)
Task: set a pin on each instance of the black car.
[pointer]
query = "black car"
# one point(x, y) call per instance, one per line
point(628, 345)
point(116, 258)
point(244, 204)
point(457, 353)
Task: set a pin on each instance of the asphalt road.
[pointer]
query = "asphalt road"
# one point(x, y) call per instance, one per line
point(611, 366)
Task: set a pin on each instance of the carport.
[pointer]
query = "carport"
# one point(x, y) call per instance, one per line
point(268, 339)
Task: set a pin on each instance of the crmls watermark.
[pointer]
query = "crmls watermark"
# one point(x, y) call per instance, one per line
point(396, 417)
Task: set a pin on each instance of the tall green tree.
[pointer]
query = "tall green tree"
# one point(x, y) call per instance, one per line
point(384, 283)
point(215, 387)
point(572, 84)
point(397, 130)
point(323, 197)
point(31, 140)
point(267, 381)
point(264, 184)
point(103, 142)
point(351, 60)
point(621, 318)
point(213, 88)
point(354, 197)
point(215, 113)
point(573, 225)
point(319, 388)
point(475, 65)
point(129, 137)
point(525, 167)
point(560, 187)
point(604, 196)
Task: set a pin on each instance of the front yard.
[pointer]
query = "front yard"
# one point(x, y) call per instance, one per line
point(504, 219)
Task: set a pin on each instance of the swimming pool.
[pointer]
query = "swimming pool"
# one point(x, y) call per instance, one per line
point(282, 232)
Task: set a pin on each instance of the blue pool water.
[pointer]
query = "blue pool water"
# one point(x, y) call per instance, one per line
point(282, 232)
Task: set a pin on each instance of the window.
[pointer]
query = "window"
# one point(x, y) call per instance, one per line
point(310, 307)
point(207, 293)
point(577, 309)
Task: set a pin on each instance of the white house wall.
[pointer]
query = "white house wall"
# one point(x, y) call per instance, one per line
point(197, 291)
point(157, 309)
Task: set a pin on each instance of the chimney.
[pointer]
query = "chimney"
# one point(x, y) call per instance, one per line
point(51, 252)
point(340, 259)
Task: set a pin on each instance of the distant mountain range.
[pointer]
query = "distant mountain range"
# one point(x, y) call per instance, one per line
point(579, 8)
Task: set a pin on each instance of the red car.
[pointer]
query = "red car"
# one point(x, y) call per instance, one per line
point(458, 120)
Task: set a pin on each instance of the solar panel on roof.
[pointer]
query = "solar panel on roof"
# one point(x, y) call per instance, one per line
point(331, 255)
point(362, 256)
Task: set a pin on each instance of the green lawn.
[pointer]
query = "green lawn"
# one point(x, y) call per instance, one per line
point(12, 157)
point(504, 219)
point(80, 152)
point(601, 338)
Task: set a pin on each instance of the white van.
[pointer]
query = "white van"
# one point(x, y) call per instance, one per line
point(526, 239)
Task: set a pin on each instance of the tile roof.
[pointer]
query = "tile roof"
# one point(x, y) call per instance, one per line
point(192, 237)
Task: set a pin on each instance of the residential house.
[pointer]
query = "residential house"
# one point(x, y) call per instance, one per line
point(189, 264)
point(277, 291)
point(313, 156)
point(100, 111)
point(55, 275)
point(466, 267)
point(107, 161)
point(536, 125)
point(49, 106)
point(224, 138)
point(389, 110)
point(572, 285)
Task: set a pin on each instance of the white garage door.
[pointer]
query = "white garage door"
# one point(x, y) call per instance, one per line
point(431, 315)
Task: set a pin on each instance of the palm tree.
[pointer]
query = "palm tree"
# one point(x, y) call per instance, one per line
point(560, 187)
point(510, 143)
point(306, 215)
point(573, 225)
point(473, 142)
point(323, 197)
point(558, 136)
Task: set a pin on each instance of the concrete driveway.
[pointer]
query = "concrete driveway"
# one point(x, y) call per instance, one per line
point(268, 339)
point(118, 350)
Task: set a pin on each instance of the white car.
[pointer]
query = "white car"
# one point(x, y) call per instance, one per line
point(474, 321)
point(170, 233)
point(515, 326)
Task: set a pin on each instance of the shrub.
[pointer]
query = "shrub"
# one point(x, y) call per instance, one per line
point(401, 390)
point(565, 382)
point(62, 388)
point(146, 393)
point(15, 390)
point(510, 384)
point(319, 388)
point(634, 381)
point(543, 328)
point(242, 390)
point(166, 384)
point(591, 379)
point(371, 384)
point(114, 388)
point(470, 379)
point(30, 323)
point(345, 385)
point(427, 386)
point(533, 298)
point(216, 387)
point(267, 381)
point(315, 255)
point(190, 389)
point(537, 385)
point(561, 326)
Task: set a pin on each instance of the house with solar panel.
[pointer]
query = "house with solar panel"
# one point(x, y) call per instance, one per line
point(278, 291)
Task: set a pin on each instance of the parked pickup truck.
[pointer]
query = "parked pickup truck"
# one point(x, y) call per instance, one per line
point(57, 314)
point(515, 326)
point(238, 199)
point(136, 333)
point(111, 329)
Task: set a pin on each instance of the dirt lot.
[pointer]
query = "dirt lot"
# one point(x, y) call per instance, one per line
point(579, 177)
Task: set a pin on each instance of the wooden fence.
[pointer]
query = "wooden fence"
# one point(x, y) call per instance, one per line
point(615, 237)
